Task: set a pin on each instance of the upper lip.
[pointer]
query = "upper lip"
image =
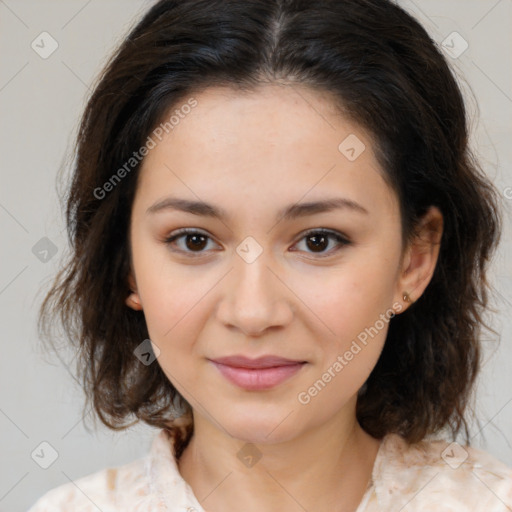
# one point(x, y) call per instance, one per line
point(270, 361)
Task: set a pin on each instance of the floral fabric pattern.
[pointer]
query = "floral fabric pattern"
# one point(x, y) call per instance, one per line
point(430, 476)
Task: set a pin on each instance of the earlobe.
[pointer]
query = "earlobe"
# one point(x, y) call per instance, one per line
point(421, 259)
point(133, 301)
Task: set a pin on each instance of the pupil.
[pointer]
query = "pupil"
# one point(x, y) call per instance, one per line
point(195, 244)
point(316, 238)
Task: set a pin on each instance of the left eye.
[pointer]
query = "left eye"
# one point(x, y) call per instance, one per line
point(195, 241)
point(319, 239)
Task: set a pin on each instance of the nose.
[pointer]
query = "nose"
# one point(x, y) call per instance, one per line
point(255, 298)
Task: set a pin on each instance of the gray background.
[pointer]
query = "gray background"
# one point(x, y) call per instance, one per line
point(40, 103)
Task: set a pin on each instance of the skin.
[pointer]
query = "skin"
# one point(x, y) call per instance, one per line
point(253, 154)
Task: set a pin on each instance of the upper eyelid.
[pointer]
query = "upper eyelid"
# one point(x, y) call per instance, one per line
point(187, 231)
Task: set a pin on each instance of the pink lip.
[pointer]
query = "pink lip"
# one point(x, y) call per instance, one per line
point(256, 374)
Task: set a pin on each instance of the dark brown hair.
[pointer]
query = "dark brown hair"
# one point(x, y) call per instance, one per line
point(388, 75)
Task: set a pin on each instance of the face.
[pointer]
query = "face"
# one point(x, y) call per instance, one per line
point(255, 282)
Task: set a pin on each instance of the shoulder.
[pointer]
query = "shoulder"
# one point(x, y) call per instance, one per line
point(106, 490)
point(452, 476)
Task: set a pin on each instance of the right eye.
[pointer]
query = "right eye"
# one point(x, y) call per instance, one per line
point(194, 241)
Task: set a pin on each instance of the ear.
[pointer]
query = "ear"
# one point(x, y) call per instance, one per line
point(133, 300)
point(420, 258)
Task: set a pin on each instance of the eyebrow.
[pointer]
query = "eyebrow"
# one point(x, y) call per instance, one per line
point(290, 212)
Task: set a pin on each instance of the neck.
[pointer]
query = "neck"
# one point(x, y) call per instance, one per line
point(327, 467)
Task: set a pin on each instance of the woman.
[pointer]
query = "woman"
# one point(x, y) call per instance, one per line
point(279, 251)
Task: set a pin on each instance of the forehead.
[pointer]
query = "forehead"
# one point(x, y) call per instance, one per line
point(275, 140)
point(273, 114)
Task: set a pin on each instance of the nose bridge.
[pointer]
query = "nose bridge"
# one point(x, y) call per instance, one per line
point(252, 270)
point(255, 299)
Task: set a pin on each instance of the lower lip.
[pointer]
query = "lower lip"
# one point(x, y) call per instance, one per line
point(258, 378)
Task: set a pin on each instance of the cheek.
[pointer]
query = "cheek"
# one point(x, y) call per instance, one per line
point(353, 310)
point(355, 306)
point(348, 299)
point(174, 314)
point(174, 307)
point(169, 292)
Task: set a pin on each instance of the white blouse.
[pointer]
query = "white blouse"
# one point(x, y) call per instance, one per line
point(429, 476)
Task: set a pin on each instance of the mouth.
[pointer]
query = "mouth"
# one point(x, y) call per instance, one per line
point(257, 374)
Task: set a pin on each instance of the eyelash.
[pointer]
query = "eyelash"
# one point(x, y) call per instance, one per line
point(341, 240)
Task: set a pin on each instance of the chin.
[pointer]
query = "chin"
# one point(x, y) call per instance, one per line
point(258, 428)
